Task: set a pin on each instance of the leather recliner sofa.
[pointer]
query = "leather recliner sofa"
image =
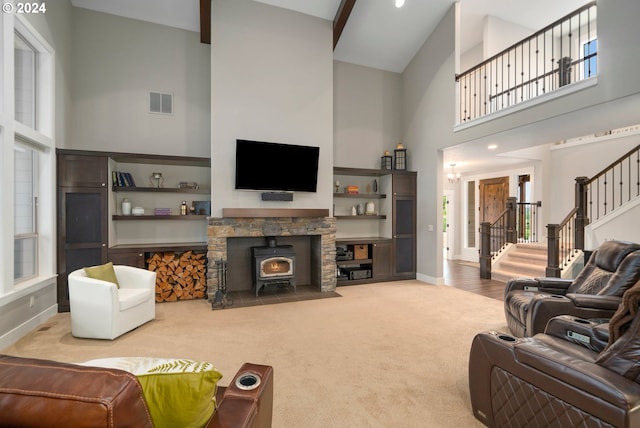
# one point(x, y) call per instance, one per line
point(43, 393)
point(577, 373)
point(529, 303)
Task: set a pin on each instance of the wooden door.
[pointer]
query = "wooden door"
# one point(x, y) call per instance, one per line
point(493, 198)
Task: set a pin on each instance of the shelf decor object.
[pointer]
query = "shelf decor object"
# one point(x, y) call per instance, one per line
point(158, 178)
point(386, 160)
point(400, 158)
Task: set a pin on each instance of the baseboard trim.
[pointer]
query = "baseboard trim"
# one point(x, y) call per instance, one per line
point(20, 331)
point(430, 279)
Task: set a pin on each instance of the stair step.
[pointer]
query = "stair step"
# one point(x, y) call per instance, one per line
point(525, 257)
point(520, 264)
point(536, 246)
point(505, 275)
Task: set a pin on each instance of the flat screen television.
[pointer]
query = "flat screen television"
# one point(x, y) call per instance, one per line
point(262, 165)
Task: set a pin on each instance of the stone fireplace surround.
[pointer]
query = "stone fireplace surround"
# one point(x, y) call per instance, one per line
point(237, 223)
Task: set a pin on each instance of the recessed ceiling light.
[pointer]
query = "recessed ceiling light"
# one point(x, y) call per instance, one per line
point(399, 3)
point(492, 146)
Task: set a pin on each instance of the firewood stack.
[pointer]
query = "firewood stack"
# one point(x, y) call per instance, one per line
point(179, 276)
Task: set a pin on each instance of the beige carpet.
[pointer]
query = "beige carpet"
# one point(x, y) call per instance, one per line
point(384, 355)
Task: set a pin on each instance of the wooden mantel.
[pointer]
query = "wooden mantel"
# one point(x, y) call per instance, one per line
point(274, 212)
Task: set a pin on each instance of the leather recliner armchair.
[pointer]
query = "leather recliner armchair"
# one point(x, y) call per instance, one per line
point(558, 378)
point(529, 303)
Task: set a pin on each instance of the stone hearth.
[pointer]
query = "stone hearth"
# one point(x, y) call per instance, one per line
point(323, 255)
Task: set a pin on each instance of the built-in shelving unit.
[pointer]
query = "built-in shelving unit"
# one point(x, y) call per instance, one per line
point(388, 251)
point(160, 190)
point(362, 196)
point(360, 217)
point(158, 217)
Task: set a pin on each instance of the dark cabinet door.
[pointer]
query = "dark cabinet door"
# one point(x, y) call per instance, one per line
point(404, 184)
point(82, 171)
point(82, 234)
point(404, 225)
point(382, 260)
point(404, 220)
point(128, 258)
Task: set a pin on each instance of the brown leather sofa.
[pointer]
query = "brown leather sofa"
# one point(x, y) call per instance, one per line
point(529, 303)
point(44, 393)
point(571, 375)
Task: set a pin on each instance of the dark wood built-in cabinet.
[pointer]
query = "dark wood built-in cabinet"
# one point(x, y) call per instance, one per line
point(392, 254)
point(82, 216)
point(377, 262)
point(84, 183)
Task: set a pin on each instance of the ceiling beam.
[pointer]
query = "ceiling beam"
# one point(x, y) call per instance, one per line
point(342, 15)
point(205, 21)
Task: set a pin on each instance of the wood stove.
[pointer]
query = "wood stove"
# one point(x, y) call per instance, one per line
point(273, 264)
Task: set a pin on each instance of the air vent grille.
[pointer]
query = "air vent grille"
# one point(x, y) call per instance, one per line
point(160, 103)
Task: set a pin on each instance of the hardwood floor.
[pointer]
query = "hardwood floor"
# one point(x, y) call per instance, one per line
point(462, 275)
point(466, 276)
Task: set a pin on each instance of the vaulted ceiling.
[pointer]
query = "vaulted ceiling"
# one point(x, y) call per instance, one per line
point(376, 34)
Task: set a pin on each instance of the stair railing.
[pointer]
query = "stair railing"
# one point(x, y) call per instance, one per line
point(595, 197)
point(560, 244)
point(527, 221)
point(494, 236)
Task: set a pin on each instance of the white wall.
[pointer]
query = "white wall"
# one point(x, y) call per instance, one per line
point(584, 160)
point(367, 114)
point(614, 226)
point(499, 34)
point(116, 62)
point(271, 80)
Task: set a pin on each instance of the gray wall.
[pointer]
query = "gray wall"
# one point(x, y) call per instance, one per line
point(271, 80)
point(428, 117)
point(367, 112)
point(116, 62)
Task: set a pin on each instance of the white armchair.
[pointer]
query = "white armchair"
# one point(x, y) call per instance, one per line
point(101, 310)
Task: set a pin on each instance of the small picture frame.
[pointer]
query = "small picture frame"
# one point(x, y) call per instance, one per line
point(201, 207)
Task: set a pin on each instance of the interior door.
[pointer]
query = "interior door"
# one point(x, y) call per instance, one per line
point(493, 198)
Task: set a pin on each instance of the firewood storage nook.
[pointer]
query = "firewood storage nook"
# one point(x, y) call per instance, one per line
point(179, 276)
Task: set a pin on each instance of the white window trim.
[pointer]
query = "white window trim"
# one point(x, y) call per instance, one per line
point(42, 138)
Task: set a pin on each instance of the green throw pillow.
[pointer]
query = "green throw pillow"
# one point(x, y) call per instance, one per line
point(178, 392)
point(103, 272)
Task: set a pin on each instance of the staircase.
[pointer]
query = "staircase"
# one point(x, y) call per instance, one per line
point(521, 260)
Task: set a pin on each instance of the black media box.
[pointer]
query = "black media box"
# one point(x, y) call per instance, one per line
point(357, 273)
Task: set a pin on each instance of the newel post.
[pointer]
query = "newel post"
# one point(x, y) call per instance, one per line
point(511, 235)
point(553, 251)
point(485, 250)
point(581, 214)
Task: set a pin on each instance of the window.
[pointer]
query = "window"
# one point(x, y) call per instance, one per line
point(590, 51)
point(25, 256)
point(25, 63)
point(27, 159)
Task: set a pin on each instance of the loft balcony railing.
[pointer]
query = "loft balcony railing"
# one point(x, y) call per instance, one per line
point(562, 53)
